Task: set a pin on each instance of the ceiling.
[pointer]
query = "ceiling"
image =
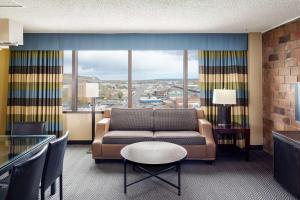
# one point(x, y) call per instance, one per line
point(150, 16)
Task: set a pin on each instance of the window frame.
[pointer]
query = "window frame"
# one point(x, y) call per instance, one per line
point(74, 106)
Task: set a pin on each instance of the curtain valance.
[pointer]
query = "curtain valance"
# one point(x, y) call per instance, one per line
point(192, 41)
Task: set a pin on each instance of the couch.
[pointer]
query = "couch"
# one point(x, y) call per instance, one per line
point(186, 127)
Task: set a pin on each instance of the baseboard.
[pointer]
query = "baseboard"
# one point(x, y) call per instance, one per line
point(256, 147)
point(79, 142)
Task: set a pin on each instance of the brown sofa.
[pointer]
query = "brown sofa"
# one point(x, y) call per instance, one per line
point(186, 127)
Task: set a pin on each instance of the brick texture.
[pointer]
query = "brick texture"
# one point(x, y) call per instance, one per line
point(281, 70)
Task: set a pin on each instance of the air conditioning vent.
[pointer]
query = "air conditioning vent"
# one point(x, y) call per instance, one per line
point(11, 33)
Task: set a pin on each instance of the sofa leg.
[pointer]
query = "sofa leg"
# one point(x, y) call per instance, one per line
point(98, 161)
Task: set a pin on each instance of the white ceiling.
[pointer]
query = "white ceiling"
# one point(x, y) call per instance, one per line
point(151, 16)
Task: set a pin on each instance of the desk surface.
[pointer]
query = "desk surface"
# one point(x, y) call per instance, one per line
point(293, 136)
point(14, 149)
point(153, 152)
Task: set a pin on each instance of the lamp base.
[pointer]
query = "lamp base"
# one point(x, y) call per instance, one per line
point(224, 115)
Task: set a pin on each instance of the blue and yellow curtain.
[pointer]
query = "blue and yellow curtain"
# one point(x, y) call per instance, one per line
point(35, 85)
point(224, 69)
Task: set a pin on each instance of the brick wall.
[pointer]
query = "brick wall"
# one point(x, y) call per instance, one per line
point(281, 70)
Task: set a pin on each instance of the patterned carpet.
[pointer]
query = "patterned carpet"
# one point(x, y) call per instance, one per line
point(228, 178)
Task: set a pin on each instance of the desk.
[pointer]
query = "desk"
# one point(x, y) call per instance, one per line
point(16, 148)
point(286, 157)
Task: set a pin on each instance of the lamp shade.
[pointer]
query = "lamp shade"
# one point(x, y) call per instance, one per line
point(92, 90)
point(223, 96)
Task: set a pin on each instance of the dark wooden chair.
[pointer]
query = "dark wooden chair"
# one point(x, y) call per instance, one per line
point(53, 168)
point(25, 179)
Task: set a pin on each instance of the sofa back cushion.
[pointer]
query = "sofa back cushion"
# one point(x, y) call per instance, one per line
point(131, 119)
point(175, 120)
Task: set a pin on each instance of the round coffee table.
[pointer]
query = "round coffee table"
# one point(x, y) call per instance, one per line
point(141, 154)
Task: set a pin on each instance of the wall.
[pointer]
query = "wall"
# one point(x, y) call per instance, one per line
point(281, 70)
point(79, 125)
point(255, 87)
point(4, 64)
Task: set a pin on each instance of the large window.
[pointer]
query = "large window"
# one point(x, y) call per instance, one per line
point(193, 80)
point(139, 79)
point(157, 79)
point(109, 69)
point(67, 82)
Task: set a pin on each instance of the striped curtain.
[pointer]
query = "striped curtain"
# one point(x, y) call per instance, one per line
point(224, 69)
point(35, 85)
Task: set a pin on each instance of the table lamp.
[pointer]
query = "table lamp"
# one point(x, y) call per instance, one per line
point(92, 91)
point(224, 98)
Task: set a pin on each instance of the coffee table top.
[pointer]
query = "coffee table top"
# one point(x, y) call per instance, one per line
point(153, 152)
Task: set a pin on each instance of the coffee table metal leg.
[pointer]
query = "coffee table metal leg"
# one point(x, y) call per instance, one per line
point(125, 182)
point(177, 166)
point(179, 181)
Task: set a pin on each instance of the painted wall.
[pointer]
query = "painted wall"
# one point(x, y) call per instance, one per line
point(255, 87)
point(281, 70)
point(79, 125)
point(4, 64)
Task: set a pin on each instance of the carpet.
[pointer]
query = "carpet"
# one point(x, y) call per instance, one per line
point(229, 178)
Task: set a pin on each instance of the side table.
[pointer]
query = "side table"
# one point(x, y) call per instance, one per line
point(233, 129)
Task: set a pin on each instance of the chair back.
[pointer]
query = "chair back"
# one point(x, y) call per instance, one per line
point(28, 128)
point(54, 161)
point(26, 177)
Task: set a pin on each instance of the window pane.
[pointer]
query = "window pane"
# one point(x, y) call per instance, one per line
point(67, 82)
point(157, 79)
point(193, 80)
point(109, 69)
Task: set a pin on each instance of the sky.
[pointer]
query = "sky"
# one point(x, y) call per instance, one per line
point(146, 65)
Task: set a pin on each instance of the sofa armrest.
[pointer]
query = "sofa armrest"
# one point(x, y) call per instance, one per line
point(205, 129)
point(102, 127)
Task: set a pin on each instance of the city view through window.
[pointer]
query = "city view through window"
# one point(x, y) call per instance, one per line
point(157, 79)
point(67, 82)
point(193, 80)
point(109, 69)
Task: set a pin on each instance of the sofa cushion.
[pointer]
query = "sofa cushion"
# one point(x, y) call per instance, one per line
point(175, 120)
point(131, 119)
point(180, 137)
point(127, 137)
